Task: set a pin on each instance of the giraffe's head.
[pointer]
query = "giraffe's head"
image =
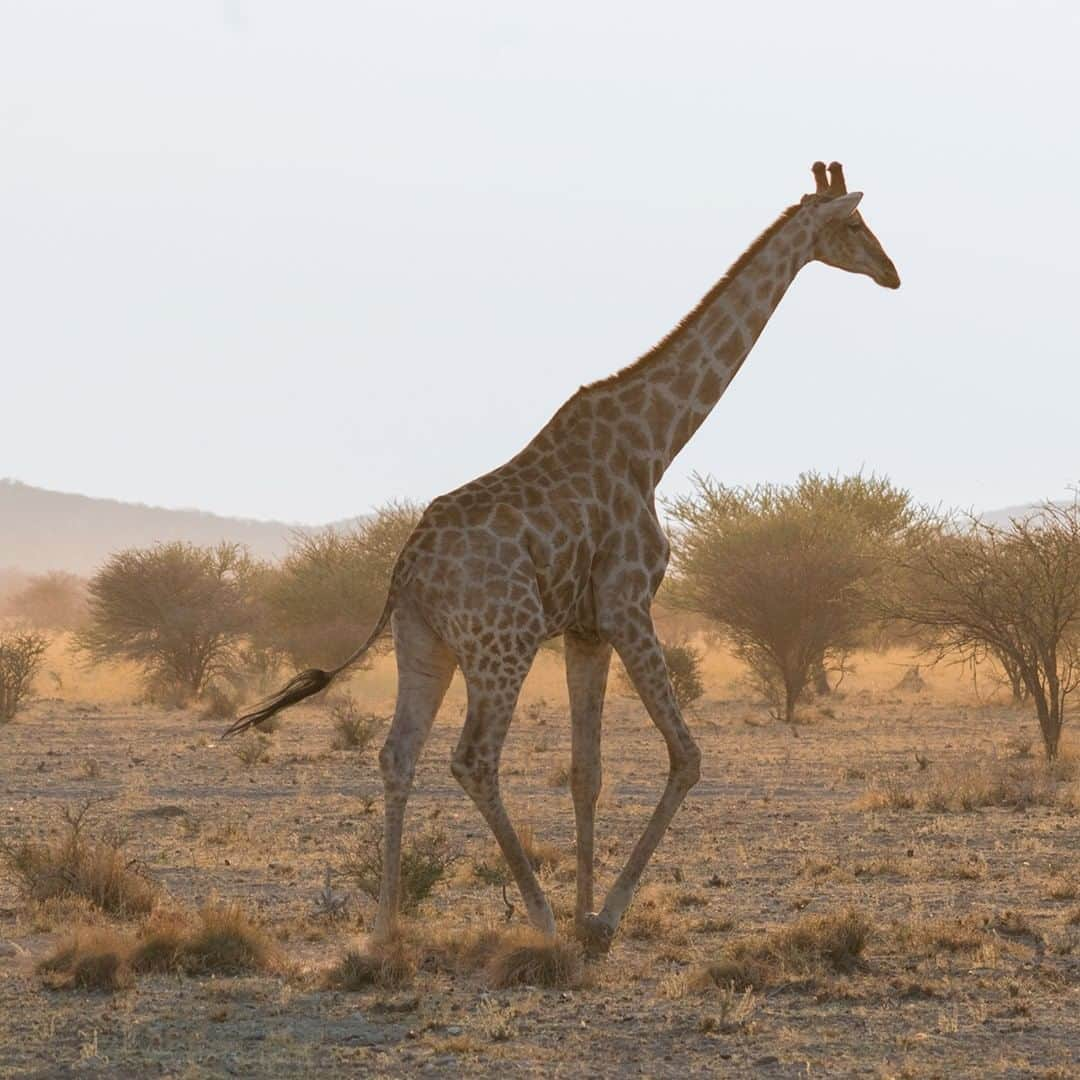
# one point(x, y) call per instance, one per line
point(841, 237)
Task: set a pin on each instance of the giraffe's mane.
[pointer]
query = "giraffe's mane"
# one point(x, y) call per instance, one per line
point(647, 359)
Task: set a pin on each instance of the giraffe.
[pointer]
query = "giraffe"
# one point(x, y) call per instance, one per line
point(565, 539)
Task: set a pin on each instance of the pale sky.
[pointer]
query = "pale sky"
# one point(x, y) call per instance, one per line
point(290, 260)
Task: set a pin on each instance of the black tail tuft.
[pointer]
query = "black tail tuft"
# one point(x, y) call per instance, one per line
point(299, 687)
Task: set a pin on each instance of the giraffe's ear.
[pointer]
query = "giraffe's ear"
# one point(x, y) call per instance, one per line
point(841, 207)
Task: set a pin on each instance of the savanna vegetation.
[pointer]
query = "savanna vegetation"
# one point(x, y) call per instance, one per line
point(788, 572)
point(904, 868)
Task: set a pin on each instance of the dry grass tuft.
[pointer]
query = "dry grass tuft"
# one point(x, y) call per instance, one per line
point(886, 793)
point(1013, 784)
point(527, 958)
point(541, 854)
point(462, 953)
point(62, 913)
point(1066, 766)
point(1015, 924)
point(387, 966)
point(543, 857)
point(221, 940)
point(931, 936)
point(97, 870)
point(1063, 889)
point(89, 958)
point(819, 869)
point(651, 916)
point(831, 942)
point(161, 943)
point(226, 942)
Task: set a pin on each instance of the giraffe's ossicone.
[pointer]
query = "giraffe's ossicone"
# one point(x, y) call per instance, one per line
point(565, 539)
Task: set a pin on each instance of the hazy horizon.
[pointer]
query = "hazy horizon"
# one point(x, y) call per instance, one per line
point(287, 267)
point(348, 519)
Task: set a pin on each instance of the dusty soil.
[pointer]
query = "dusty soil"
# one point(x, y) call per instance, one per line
point(782, 825)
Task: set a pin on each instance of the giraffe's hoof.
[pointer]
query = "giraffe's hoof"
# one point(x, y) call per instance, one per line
point(595, 935)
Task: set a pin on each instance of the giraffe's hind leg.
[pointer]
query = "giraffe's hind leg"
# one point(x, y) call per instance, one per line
point(475, 765)
point(425, 667)
point(587, 664)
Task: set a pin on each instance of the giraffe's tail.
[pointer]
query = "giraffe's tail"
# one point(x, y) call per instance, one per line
point(311, 681)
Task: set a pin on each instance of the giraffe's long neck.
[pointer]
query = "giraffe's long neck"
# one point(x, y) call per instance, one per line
point(656, 405)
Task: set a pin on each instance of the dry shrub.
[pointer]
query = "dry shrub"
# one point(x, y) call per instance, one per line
point(98, 870)
point(218, 704)
point(831, 942)
point(425, 861)
point(387, 966)
point(89, 958)
point(353, 729)
point(527, 958)
point(1019, 745)
point(494, 1021)
point(21, 657)
point(90, 769)
point(253, 748)
point(559, 778)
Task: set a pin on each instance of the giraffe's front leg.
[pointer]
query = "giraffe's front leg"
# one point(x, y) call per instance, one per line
point(587, 664)
point(639, 649)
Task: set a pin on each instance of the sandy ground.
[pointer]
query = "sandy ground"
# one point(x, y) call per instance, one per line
point(781, 826)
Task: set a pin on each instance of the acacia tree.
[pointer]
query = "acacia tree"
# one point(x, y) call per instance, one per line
point(56, 601)
point(178, 611)
point(1012, 594)
point(330, 588)
point(786, 571)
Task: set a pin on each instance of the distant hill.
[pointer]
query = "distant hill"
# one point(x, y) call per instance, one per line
point(1002, 517)
point(1007, 514)
point(51, 530)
